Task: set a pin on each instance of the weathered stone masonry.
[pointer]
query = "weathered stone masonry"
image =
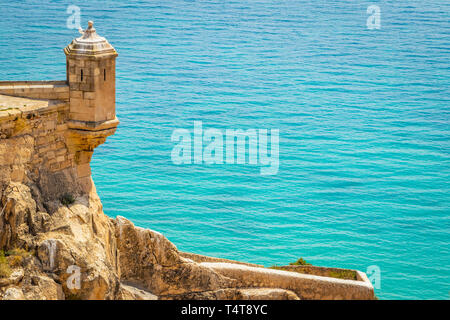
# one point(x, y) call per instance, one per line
point(48, 90)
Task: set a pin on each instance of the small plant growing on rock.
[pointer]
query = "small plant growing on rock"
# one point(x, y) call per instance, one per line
point(15, 257)
point(67, 199)
point(15, 261)
point(5, 270)
point(12, 259)
point(343, 274)
point(300, 262)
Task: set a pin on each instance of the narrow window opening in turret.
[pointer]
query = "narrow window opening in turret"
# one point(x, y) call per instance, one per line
point(81, 74)
point(104, 74)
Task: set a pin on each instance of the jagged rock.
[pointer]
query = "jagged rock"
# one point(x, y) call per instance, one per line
point(16, 276)
point(147, 257)
point(43, 288)
point(15, 223)
point(127, 292)
point(13, 294)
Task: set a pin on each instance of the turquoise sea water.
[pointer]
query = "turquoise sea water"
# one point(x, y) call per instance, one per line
point(363, 118)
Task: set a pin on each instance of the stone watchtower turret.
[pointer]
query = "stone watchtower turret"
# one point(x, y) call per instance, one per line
point(91, 76)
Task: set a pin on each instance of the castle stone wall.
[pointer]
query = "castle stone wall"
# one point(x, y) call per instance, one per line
point(47, 90)
point(36, 144)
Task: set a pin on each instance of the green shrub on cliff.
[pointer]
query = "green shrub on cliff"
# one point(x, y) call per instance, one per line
point(5, 270)
point(300, 262)
point(11, 259)
point(343, 274)
point(15, 256)
point(67, 199)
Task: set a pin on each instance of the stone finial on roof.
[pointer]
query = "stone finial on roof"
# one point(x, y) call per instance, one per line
point(90, 44)
point(89, 33)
